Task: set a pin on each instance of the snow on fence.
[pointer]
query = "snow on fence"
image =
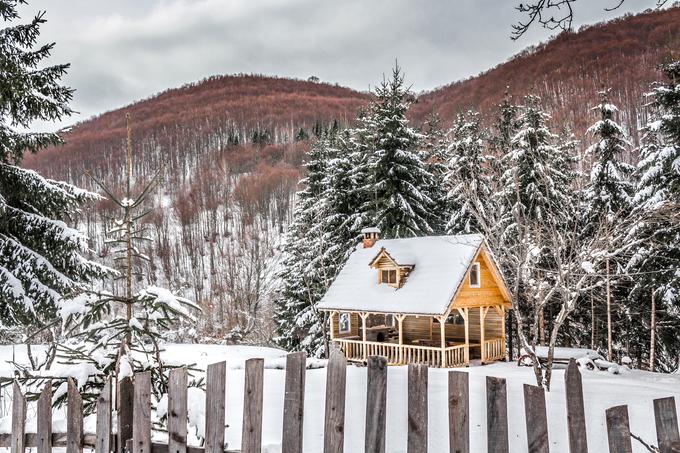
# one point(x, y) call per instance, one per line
point(135, 414)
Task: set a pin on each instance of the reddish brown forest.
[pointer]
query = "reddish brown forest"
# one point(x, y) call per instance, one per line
point(568, 71)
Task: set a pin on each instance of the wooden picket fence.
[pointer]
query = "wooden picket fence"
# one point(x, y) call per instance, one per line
point(138, 438)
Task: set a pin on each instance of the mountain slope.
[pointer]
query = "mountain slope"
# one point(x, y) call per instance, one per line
point(568, 71)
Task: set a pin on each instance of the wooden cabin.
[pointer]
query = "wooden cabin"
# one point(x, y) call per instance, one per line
point(438, 300)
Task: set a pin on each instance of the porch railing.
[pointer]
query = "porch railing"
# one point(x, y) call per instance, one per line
point(493, 349)
point(357, 351)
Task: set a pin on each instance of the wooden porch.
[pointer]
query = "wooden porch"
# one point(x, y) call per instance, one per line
point(451, 340)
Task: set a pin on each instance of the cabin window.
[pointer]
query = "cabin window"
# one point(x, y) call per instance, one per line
point(344, 323)
point(474, 276)
point(388, 276)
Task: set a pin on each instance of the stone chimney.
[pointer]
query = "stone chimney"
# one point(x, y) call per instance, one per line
point(371, 235)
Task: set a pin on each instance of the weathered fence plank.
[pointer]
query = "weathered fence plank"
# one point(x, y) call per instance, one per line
point(459, 410)
point(125, 393)
point(177, 410)
point(618, 430)
point(334, 425)
point(294, 403)
point(104, 419)
point(141, 422)
point(18, 420)
point(536, 420)
point(44, 426)
point(376, 402)
point(576, 415)
point(497, 415)
point(74, 419)
point(251, 435)
point(666, 418)
point(216, 381)
point(417, 408)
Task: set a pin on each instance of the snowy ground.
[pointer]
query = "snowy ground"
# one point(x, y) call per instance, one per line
point(601, 390)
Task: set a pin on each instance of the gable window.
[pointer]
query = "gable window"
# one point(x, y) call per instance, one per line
point(474, 276)
point(344, 323)
point(388, 276)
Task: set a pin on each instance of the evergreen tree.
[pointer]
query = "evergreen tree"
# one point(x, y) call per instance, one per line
point(42, 260)
point(398, 185)
point(609, 189)
point(470, 189)
point(299, 325)
point(433, 154)
point(656, 204)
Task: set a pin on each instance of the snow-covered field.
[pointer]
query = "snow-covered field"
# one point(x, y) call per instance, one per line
point(601, 389)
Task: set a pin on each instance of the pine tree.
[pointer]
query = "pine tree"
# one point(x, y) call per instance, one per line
point(656, 204)
point(433, 154)
point(42, 260)
point(399, 183)
point(470, 189)
point(609, 190)
point(299, 325)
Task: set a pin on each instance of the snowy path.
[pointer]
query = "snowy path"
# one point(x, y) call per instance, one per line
point(601, 389)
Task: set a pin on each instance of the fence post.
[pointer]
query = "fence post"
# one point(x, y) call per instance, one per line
point(177, 410)
point(44, 428)
point(74, 419)
point(18, 420)
point(536, 421)
point(141, 422)
point(497, 415)
point(666, 418)
point(251, 434)
point(417, 408)
point(334, 426)
point(618, 430)
point(576, 416)
point(124, 402)
point(215, 394)
point(103, 444)
point(294, 403)
point(376, 399)
point(459, 409)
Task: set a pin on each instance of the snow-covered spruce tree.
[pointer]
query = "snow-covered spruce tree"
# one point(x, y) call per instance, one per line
point(110, 334)
point(609, 190)
point(470, 187)
point(656, 204)
point(299, 325)
point(399, 184)
point(605, 204)
point(42, 260)
point(433, 154)
point(537, 203)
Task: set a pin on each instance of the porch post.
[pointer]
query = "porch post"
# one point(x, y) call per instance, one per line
point(482, 315)
point(464, 312)
point(363, 329)
point(505, 349)
point(442, 334)
point(400, 320)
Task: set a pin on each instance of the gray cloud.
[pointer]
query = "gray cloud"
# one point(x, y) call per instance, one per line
point(129, 49)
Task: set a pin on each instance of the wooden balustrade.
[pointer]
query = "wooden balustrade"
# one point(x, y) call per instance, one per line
point(493, 349)
point(401, 354)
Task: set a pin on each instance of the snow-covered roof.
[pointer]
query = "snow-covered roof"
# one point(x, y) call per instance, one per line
point(440, 264)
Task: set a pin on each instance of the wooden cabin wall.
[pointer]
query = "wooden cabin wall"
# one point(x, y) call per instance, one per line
point(416, 328)
point(355, 325)
point(493, 327)
point(487, 294)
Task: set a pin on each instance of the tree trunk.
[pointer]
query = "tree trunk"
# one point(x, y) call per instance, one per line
point(652, 339)
point(609, 316)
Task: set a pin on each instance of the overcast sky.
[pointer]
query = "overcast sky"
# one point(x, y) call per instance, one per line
point(124, 50)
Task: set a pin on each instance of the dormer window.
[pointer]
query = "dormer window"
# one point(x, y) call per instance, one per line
point(388, 276)
point(474, 276)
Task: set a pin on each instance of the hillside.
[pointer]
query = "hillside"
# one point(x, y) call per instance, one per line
point(569, 70)
point(232, 148)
